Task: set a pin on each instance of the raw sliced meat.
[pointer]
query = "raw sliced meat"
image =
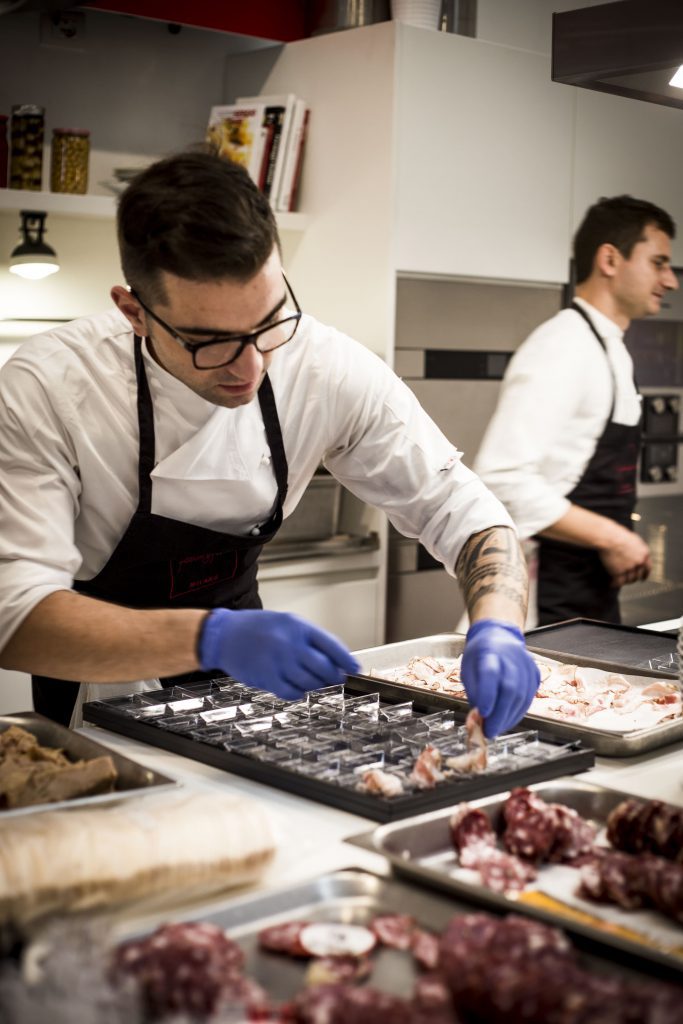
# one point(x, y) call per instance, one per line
point(284, 938)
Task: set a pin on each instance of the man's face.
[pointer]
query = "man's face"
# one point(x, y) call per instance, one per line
point(218, 308)
point(641, 280)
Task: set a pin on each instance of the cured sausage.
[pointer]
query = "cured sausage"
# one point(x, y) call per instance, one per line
point(634, 880)
point(504, 971)
point(190, 968)
point(650, 826)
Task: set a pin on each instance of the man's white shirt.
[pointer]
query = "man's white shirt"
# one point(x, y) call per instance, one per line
point(555, 400)
point(69, 452)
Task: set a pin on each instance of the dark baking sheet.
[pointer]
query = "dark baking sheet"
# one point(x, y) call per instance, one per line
point(604, 641)
point(559, 759)
point(421, 850)
point(132, 778)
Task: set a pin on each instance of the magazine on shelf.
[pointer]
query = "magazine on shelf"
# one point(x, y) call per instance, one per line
point(237, 131)
point(286, 198)
point(278, 114)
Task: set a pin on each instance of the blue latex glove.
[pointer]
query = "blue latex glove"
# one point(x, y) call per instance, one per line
point(273, 651)
point(498, 673)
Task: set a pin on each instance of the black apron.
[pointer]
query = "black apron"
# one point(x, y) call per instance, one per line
point(165, 563)
point(572, 581)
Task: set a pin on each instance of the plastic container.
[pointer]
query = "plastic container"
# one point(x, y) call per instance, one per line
point(4, 151)
point(70, 158)
point(26, 147)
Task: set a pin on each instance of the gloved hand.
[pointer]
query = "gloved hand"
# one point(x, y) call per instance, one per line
point(498, 673)
point(273, 651)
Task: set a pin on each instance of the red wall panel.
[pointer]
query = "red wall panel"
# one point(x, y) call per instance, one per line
point(280, 20)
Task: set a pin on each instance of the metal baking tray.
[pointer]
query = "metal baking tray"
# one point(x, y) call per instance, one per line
point(355, 896)
point(609, 645)
point(548, 759)
point(132, 778)
point(421, 849)
point(450, 645)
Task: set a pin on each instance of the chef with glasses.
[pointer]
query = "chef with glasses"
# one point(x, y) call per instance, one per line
point(147, 454)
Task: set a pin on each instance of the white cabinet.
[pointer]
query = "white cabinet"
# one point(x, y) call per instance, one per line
point(338, 594)
point(483, 160)
point(428, 153)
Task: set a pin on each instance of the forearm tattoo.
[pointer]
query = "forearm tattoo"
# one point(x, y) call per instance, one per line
point(492, 562)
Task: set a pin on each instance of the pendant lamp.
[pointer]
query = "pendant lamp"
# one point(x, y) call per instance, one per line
point(33, 258)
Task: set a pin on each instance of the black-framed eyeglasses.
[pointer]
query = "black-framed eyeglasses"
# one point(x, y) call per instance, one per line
point(220, 349)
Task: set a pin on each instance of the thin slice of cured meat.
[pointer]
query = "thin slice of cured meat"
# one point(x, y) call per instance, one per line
point(427, 769)
point(650, 826)
point(425, 948)
point(284, 938)
point(382, 783)
point(475, 759)
point(394, 930)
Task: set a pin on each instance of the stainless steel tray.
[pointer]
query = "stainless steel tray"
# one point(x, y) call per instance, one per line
point(353, 897)
point(132, 778)
point(450, 645)
point(420, 849)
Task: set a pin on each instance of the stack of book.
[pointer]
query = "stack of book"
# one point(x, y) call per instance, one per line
point(266, 134)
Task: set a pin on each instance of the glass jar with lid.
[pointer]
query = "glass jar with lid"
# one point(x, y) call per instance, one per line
point(69, 162)
point(26, 147)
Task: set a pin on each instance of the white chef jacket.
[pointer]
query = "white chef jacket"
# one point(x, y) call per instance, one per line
point(69, 452)
point(554, 403)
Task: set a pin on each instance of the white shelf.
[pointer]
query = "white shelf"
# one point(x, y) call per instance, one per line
point(102, 207)
point(60, 203)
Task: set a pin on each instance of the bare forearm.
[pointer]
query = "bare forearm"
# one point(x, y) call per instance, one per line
point(70, 636)
point(624, 554)
point(493, 576)
point(581, 526)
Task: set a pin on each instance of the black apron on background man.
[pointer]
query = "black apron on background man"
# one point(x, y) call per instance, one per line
point(572, 581)
point(165, 563)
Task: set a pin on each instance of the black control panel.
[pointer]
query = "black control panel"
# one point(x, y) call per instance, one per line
point(662, 437)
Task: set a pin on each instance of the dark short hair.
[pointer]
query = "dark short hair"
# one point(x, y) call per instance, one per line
point(195, 215)
point(620, 221)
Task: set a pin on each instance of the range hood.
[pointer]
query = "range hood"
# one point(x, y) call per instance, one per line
point(631, 47)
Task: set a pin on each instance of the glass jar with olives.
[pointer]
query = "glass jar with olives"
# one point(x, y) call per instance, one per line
point(69, 162)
